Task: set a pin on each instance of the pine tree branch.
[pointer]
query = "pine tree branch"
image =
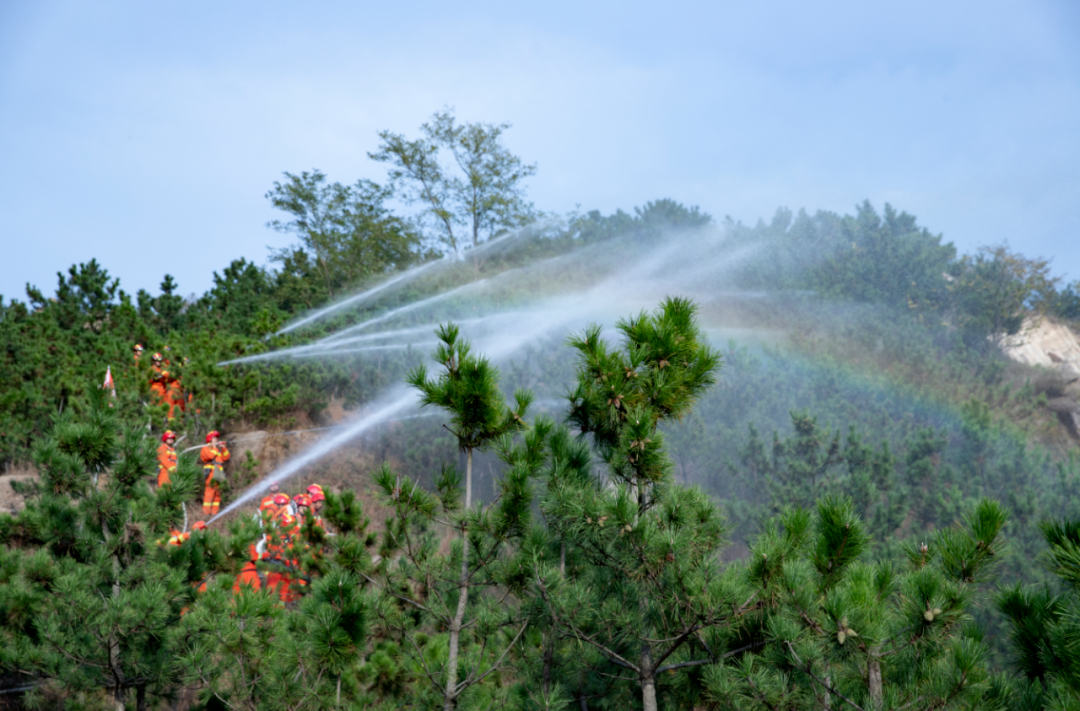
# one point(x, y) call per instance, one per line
point(813, 676)
point(910, 703)
point(678, 642)
point(618, 659)
point(498, 664)
point(620, 678)
point(712, 658)
point(680, 665)
point(427, 672)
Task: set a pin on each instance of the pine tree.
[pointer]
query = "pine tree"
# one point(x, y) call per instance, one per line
point(832, 630)
point(94, 606)
point(1045, 626)
point(647, 586)
point(436, 587)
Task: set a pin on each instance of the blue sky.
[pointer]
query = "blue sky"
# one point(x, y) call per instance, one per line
point(146, 134)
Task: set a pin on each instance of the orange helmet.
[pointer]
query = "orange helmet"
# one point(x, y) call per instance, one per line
point(210, 435)
point(199, 526)
point(167, 435)
point(281, 499)
point(302, 500)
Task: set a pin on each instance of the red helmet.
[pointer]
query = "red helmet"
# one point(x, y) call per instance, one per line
point(318, 496)
point(302, 500)
point(210, 436)
point(314, 488)
point(156, 356)
point(281, 499)
point(167, 435)
point(199, 526)
point(138, 347)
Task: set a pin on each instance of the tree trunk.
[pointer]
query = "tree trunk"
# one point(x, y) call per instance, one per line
point(450, 690)
point(140, 698)
point(648, 679)
point(648, 694)
point(873, 674)
point(338, 702)
point(114, 643)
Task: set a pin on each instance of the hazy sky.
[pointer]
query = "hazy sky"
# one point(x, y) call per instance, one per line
point(147, 134)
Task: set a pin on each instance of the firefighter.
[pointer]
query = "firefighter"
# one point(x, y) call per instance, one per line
point(302, 504)
point(318, 498)
point(283, 506)
point(280, 577)
point(166, 455)
point(249, 577)
point(137, 351)
point(159, 378)
point(177, 537)
point(213, 456)
point(174, 394)
point(267, 504)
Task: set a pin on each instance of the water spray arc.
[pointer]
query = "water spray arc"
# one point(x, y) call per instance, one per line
point(623, 278)
point(392, 404)
point(406, 277)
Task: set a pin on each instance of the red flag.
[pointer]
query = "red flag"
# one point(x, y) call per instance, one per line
point(108, 384)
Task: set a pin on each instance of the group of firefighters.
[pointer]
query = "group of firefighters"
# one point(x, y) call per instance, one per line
point(283, 518)
point(280, 516)
point(213, 457)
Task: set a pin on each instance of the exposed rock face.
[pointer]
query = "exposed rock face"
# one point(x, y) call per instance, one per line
point(1053, 345)
point(1057, 347)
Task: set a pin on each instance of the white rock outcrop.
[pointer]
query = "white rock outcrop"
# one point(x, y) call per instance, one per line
point(1055, 346)
point(1045, 343)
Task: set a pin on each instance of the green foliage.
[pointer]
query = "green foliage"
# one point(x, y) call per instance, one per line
point(476, 196)
point(348, 229)
point(995, 290)
point(1066, 304)
point(1044, 626)
point(93, 599)
point(832, 630)
point(643, 584)
point(53, 356)
point(455, 585)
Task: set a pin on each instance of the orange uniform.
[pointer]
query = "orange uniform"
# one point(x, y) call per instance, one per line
point(280, 578)
point(249, 577)
point(174, 394)
point(166, 456)
point(267, 508)
point(159, 384)
point(177, 538)
point(213, 457)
